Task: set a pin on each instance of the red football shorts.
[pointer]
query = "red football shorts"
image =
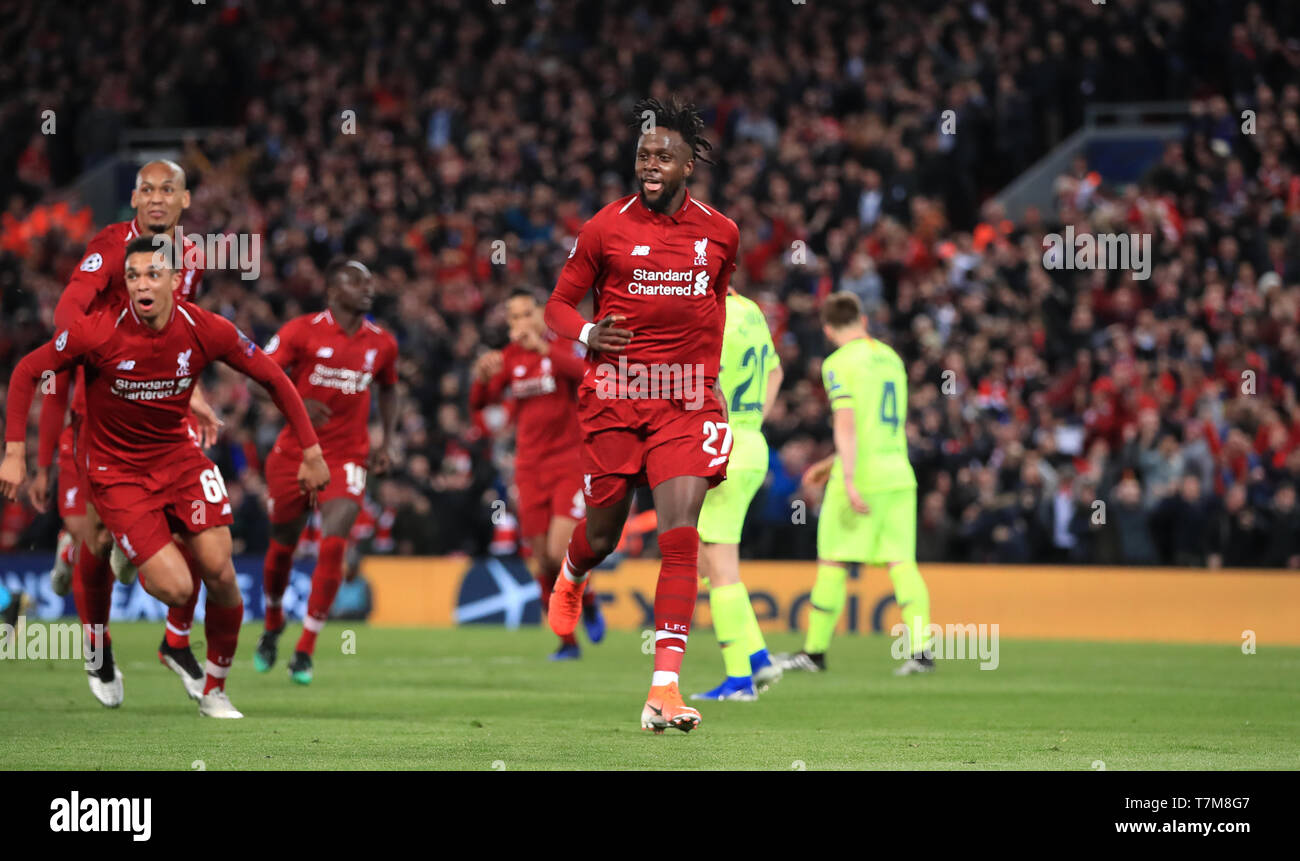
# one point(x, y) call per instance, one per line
point(286, 502)
point(544, 495)
point(182, 493)
point(631, 441)
point(73, 490)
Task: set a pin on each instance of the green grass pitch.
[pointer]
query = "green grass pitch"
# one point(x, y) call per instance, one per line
point(484, 698)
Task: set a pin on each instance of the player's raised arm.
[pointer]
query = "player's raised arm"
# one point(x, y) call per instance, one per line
point(40, 365)
point(490, 380)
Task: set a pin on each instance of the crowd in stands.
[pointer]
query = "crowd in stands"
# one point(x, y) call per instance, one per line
point(1054, 415)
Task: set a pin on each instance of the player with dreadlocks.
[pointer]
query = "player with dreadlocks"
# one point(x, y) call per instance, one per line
point(659, 262)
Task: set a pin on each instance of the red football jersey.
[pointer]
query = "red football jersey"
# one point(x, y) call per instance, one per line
point(99, 283)
point(328, 365)
point(545, 392)
point(139, 382)
point(667, 274)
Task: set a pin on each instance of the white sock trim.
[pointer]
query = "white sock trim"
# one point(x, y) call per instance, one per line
point(180, 632)
point(669, 635)
point(215, 671)
point(311, 623)
point(570, 574)
point(662, 677)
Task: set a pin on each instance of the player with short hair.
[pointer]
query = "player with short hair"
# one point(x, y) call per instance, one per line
point(82, 560)
point(868, 515)
point(658, 262)
point(332, 357)
point(148, 476)
point(540, 374)
point(749, 375)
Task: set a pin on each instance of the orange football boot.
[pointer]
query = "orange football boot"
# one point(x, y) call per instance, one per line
point(565, 608)
point(664, 708)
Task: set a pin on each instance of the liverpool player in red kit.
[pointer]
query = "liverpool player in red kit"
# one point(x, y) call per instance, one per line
point(159, 197)
point(659, 263)
point(332, 357)
point(147, 475)
point(540, 373)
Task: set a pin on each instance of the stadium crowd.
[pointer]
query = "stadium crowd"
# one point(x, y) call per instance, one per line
point(1055, 415)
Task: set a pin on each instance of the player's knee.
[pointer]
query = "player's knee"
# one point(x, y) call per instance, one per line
point(601, 544)
point(174, 592)
point(100, 542)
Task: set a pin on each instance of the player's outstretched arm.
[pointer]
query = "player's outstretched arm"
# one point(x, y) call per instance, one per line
point(54, 413)
point(313, 473)
point(261, 369)
point(40, 364)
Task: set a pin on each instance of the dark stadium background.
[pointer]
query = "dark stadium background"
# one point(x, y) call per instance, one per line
point(1034, 392)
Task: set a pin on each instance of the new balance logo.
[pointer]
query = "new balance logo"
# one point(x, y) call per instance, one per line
point(126, 365)
point(640, 251)
point(324, 352)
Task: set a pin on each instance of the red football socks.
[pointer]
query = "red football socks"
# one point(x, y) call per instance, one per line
point(221, 625)
point(675, 596)
point(92, 590)
point(179, 619)
point(581, 558)
point(275, 579)
point(325, 582)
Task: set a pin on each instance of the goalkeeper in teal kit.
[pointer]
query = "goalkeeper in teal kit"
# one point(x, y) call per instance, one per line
point(749, 376)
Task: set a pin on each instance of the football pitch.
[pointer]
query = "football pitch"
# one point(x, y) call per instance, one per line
point(485, 698)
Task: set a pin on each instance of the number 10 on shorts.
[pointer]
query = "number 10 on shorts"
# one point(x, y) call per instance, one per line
point(356, 478)
point(711, 431)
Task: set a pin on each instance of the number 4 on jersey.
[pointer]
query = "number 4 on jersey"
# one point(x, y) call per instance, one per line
point(889, 406)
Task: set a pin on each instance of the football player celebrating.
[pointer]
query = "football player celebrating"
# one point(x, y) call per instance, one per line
point(332, 357)
point(659, 262)
point(540, 373)
point(148, 477)
point(82, 560)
